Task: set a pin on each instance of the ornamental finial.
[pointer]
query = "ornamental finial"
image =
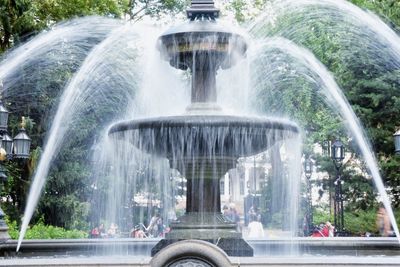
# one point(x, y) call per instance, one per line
point(202, 9)
point(23, 122)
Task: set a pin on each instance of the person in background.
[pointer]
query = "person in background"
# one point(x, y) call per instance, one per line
point(153, 226)
point(225, 211)
point(330, 228)
point(112, 231)
point(234, 217)
point(383, 222)
point(252, 211)
point(255, 227)
point(95, 233)
point(137, 232)
point(324, 230)
point(102, 230)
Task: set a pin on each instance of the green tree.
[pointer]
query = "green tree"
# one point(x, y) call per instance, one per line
point(66, 200)
point(369, 81)
point(16, 22)
point(244, 10)
point(22, 19)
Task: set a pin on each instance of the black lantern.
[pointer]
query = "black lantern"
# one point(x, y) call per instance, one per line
point(3, 176)
point(326, 148)
point(3, 117)
point(397, 142)
point(337, 152)
point(7, 144)
point(308, 168)
point(22, 143)
point(337, 155)
point(21, 146)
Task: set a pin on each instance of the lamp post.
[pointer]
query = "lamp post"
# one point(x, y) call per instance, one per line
point(326, 148)
point(17, 148)
point(309, 214)
point(337, 155)
point(397, 142)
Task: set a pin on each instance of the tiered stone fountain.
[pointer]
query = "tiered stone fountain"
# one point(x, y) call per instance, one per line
point(203, 144)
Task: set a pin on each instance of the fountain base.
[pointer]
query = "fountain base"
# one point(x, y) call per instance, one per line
point(212, 227)
point(234, 247)
point(135, 252)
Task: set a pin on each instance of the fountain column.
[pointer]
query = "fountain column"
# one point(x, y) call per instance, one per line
point(203, 195)
point(204, 79)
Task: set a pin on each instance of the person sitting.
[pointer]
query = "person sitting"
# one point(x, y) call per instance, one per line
point(225, 211)
point(137, 232)
point(154, 225)
point(383, 222)
point(112, 231)
point(317, 231)
point(102, 231)
point(323, 230)
point(95, 233)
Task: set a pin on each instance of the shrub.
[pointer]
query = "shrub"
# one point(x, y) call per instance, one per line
point(359, 222)
point(356, 222)
point(42, 231)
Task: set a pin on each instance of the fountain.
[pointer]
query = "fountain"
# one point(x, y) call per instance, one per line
point(203, 144)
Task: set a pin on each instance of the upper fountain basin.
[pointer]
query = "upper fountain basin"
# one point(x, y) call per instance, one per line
point(180, 44)
point(204, 136)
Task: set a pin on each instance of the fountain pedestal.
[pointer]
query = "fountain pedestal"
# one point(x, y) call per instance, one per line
point(211, 227)
point(203, 219)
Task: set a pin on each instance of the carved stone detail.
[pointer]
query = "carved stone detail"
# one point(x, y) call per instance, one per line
point(190, 263)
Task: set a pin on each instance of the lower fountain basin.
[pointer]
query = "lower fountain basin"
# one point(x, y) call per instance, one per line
point(203, 148)
point(336, 251)
point(204, 136)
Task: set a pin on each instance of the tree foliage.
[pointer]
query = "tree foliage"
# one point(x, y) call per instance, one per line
point(363, 70)
point(22, 19)
point(66, 199)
